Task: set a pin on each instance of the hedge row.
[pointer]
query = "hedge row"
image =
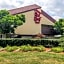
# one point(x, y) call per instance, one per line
point(32, 42)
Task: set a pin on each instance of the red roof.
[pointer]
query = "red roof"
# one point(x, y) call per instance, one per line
point(29, 8)
point(24, 9)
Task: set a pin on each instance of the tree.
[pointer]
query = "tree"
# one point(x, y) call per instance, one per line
point(8, 22)
point(3, 13)
point(59, 26)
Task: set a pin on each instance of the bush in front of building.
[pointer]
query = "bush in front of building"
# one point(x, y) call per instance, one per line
point(61, 41)
point(32, 42)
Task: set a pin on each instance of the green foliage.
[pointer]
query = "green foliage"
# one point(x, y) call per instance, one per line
point(61, 41)
point(26, 48)
point(21, 17)
point(57, 49)
point(59, 25)
point(10, 49)
point(39, 48)
point(8, 22)
point(32, 42)
point(3, 13)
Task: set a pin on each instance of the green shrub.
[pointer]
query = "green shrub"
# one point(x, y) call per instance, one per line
point(57, 49)
point(32, 42)
point(61, 42)
point(38, 48)
point(11, 48)
point(26, 48)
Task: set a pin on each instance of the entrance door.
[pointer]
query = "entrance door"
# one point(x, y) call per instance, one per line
point(46, 29)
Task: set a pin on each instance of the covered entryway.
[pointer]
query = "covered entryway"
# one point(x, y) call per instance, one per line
point(47, 29)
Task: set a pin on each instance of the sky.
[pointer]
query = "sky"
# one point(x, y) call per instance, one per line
point(54, 8)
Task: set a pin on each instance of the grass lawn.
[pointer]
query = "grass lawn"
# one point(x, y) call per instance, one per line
point(31, 58)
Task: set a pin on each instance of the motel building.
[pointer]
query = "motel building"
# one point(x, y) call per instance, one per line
point(36, 21)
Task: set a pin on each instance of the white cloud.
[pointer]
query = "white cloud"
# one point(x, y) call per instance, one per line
point(8, 4)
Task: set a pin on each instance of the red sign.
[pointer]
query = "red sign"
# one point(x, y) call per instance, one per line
point(37, 17)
